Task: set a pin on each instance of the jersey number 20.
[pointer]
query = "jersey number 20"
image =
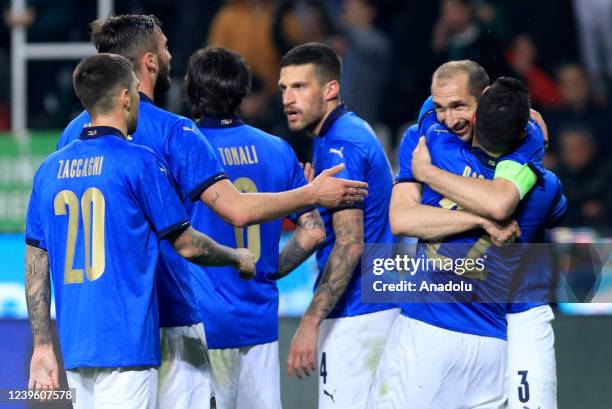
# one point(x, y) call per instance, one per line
point(92, 209)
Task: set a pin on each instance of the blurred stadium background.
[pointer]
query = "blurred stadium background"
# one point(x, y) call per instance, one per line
point(562, 49)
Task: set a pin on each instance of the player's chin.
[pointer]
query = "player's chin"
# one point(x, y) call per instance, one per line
point(465, 134)
point(295, 125)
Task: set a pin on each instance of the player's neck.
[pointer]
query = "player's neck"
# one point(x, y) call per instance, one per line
point(112, 120)
point(488, 152)
point(147, 87)
point(330, 106)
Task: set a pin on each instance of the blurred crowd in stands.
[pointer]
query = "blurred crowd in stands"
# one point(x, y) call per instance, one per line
point(561, 49)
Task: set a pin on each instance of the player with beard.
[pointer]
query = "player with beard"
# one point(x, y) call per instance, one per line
point(456, 88)
point(352, 333)
point(448, 331)
point(98, 212)
point(185, 371)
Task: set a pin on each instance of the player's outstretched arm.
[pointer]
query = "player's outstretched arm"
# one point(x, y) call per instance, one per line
point(43, 366)
point(201, 249)
point(409, 217)
point(349, 245)
point(305, 240)
point(494, 199)
point(243, 209)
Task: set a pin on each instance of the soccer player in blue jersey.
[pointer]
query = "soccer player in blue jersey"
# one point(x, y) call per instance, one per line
point(185, 372)
point(456, 88)
point(242, 320)
point(98, 211)
point(349, 333)
point(453, 355)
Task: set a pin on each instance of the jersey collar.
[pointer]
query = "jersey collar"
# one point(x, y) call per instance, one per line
point(213, 122)
point(145, 98)
point(331, 118)
point(92, 132)
point(483, 157)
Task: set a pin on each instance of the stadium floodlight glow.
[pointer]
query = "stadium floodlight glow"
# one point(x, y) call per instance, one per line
point(22, 52)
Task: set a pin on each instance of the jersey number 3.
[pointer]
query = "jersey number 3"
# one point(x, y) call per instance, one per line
point(92, 208)
point(253, 234)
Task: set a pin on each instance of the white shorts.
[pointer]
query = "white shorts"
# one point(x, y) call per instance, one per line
point(427, 367)
point(185, 373)
point(114, 388)
point(247, 377)
point(349, 351)
point(532, 370)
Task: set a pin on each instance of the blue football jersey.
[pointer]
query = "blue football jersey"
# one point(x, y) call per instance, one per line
point(485, 319)
point(194, 167)
point(346, 138)
point(236, 312)
point(408, 144)
point(530, 150)
point(99, 207)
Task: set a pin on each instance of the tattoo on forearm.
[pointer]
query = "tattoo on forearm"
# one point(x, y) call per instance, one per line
point(291, 256)
point(205, 250)
point(340, 266)
point(38, 294)
point(295, 253)
point(213, 201)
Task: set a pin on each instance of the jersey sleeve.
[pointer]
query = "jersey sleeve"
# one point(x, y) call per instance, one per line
point(295, 178)
point(192, 160)
point(354, 159)
point(157, 198)
point(558, 208)
point(407, 146)
point(34, 235)
point(426, 108)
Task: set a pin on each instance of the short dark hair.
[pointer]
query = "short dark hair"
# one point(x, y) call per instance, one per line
point(129, 35)
point(97, 78)
point(478, 79)
point(326, 61)
point(217, 80)
point(502, 115)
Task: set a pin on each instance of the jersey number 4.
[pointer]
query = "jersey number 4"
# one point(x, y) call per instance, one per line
point(253, 234)
point(92, 208)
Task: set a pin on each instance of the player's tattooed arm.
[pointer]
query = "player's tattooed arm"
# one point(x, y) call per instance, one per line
point(347, 250)
point(348, 228)
point(44, 370)
point(308, 236)
point(38, 294)
point(247, 208)
point(201, 249)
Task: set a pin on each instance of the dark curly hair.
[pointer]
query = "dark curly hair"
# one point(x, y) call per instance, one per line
point(217, 80)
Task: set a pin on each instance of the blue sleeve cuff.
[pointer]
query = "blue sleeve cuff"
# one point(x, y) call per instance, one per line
point(194, 195)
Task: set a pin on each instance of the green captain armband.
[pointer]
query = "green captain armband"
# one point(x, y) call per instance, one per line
point(520, 175)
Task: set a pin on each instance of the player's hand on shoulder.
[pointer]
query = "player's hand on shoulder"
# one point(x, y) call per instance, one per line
point(502, 234)
point(332, 192)
point(246, 264)
point(421, 159)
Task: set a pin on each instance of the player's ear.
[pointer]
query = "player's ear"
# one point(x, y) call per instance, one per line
point(124, 97)
point(332, 90)
point(149, 62)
